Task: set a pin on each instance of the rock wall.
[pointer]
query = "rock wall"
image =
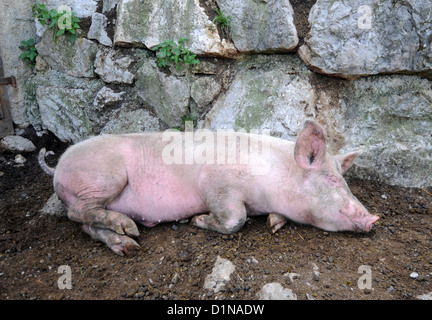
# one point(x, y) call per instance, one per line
point(16, 24)
point(363, 70)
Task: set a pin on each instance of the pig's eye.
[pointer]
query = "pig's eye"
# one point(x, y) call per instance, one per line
point(333, 180)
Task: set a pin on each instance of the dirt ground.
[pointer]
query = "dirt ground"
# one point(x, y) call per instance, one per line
point(176, 257)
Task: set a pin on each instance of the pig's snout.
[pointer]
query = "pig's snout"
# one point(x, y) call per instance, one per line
point(359, 221)
point(365, 224)
point(369, 224)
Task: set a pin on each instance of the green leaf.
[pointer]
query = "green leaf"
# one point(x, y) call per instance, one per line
point(161, 54)
point(72, 38)
point(60, 32)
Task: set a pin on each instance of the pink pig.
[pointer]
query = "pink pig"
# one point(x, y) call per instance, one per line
point(110, 181)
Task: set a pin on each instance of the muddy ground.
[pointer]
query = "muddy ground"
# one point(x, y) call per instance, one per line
point(176, 258)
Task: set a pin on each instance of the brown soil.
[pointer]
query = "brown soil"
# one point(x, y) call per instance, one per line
point(34, 246)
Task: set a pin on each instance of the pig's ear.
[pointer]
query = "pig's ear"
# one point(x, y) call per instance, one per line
point(347, 160)
point(310, 147)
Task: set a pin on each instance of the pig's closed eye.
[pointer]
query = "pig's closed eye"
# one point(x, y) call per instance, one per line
point(333, 180)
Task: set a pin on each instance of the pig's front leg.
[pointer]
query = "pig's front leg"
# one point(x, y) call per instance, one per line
point(276, 221)
point(224, 219)
point(120, 244)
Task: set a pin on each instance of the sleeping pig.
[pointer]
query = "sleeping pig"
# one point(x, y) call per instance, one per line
point(111, 182)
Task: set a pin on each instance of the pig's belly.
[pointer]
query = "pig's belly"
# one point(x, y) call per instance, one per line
point(158, 203)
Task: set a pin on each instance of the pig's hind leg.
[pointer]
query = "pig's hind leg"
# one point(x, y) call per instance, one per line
point(118, 243)
point(110, 227)
point(88, 206)
point(99, 217)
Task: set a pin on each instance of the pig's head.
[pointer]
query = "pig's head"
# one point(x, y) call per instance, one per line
point(326, 201)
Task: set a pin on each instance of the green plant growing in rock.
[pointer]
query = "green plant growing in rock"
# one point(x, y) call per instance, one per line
point(169, 52)
point(222, 21)
point(63, 22)
point(29, 52)
point(188, 121)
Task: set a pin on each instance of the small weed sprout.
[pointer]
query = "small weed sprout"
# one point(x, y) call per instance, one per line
point(169, 52)
point(186, 120)
point(222, 21)
point(64, 22)
point(29, 52)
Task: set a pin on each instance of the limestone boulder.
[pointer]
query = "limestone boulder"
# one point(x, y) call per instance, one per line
point(147, 23)
point(112, 67)
point(73, 59)
point(64, 105)
point(16, 144)
point(83, 8)
point(261, 26)
point(352, 39)
point(267, 93)
point(98, 29)
point(167, 94)
point(131, 121)
point(390, 118)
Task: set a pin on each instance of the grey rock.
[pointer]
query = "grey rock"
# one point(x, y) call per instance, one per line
point(268, 93)
point(54, 206)
point(126, 121)
point(15, 25)
point(83, 8)
point(20, 159)
point(98, 29)
point(426, 296)
point(220, 275)
point(17, 144)
point(204, 90)
point(113, 68)
point(150, 22)
point(261, 26)
point(75, 60)
point(108, 5)
point(168, 95)
point(353, 39)
point(107, 96)
point(65, 105)
point(275, 291)
point(390, 118)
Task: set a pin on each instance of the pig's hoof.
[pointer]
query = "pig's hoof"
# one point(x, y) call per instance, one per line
point(127, 246)
point(130, 249)
point(125, 225)
point(197, 221)
point(275, 222)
